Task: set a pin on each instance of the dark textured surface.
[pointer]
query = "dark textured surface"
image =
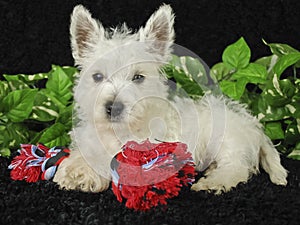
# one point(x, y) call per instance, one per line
point(34, 35)
point(257, 202)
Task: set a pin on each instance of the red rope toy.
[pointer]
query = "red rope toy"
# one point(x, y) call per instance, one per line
point(37, 162)
point(143, 175)
point(146, 175)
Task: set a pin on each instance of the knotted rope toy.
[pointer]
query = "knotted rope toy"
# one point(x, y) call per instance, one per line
point(146, 175)
point(37, 162)
point(143, 175)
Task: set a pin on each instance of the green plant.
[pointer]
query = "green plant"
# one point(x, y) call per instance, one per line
point(29, 114)
point(271, 95)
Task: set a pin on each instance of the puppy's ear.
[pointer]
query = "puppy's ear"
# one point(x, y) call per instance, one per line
point(159, 30)
point(85, 32)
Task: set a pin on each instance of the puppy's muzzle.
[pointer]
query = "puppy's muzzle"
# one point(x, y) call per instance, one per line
point(114, 109)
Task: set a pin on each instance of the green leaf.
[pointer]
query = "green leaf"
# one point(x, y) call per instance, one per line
point(4, 90)
point(237, 55)
point(192, 89)
point(14, 135)
point(4, 152)
point(55, 99)
point(287, 87)
point(264, 61)
point(70, 72)
point(220, 71)
point(2, 130)
point(66, 117)
point(266, 113)
point(34, 77)
point(35, 137)
point(249, 97)
point(11, 77)
point(27, 78)
point(189, 79)
point(284, 62)
point(59, 85)
point(292, 132)
point(274, 130)
point(17, 85)
point(280, 49)
point(295, 154)
point(279, 92)
point(18, 104)
point(275, 114)
point(55, 135)
point(195, 68)
point(43, 108)
point(254, 73)
point(186, 85)
point(293, 108)
point(234, 89)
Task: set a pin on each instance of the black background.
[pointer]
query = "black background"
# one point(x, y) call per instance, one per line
point(35, 34)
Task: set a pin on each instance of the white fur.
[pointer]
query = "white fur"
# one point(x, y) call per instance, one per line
point(220, 133)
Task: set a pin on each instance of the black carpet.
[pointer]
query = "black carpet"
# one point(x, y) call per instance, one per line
point(34, 35)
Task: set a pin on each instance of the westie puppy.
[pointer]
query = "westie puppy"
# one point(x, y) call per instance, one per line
point(121, 95)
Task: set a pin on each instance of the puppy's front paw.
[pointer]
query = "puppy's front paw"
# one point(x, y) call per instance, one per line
point(79, 176)
point(204, 184)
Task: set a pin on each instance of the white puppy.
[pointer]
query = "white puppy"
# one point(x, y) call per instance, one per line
point(122, 95)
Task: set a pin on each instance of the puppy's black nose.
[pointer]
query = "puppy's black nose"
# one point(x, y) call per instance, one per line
point(114, 109)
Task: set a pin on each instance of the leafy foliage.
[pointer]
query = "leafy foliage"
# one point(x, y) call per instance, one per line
point(29, 114)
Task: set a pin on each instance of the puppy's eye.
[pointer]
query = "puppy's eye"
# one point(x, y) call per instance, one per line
point(98, 77)
point(138, 78)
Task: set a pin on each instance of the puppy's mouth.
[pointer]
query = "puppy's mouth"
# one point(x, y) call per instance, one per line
point(115, 119)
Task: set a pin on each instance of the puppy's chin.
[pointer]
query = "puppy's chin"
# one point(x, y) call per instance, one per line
point(115, 119)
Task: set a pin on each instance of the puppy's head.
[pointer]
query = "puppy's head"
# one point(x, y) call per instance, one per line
point(119, 69)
